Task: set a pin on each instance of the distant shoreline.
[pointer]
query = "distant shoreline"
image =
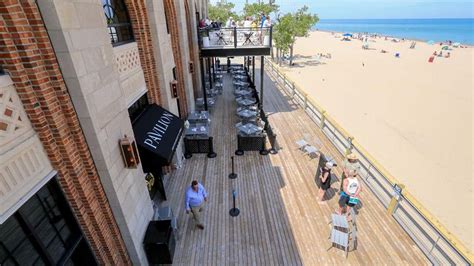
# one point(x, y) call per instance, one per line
point(389, 36)
point(439, 30)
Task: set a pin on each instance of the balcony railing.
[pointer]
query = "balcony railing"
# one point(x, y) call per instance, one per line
point(236, 37)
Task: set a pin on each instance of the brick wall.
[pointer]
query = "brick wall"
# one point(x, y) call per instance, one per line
point(192, 49)
point(172, 17)
point(141, 31)
point(27, 55)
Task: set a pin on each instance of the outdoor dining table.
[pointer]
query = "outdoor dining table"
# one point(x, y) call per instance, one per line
point(247, 113)
point(248, 128)
point(243, 92)
point(248, 107)
point(240, 83)
point(197, 130)
point(210, 101)
point(245, 101)
point(202, 116)
point(241, 78)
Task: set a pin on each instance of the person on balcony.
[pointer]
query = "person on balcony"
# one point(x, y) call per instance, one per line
point(247, 22)
point(229, 23)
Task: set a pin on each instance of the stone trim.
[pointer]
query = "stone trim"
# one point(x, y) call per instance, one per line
point(29, 58)
point(176, 47)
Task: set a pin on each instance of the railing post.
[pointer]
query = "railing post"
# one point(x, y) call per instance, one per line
point(235, 37)
point(396, 196)
point(293, 90)
point(323, 119)
point(271, 34)
point(305, 101)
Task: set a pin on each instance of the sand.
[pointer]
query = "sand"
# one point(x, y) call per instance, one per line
point(414, 117)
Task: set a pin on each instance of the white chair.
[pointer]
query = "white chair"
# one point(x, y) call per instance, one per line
point(302, 143)
point(340, 238)
point(343, 233)
point(311, 151)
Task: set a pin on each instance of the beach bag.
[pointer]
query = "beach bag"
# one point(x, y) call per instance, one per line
point(353, 200)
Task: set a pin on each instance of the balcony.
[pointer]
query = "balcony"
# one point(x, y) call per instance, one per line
point(240, 41)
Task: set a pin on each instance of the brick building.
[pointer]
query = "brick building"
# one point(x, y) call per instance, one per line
point(76, 77)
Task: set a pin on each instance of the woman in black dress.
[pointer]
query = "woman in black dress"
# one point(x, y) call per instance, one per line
point(325, 179)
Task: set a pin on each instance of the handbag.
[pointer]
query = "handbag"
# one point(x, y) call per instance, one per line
point(353, 200)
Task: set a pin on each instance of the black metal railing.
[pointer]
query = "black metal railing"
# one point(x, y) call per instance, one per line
point(236, 37)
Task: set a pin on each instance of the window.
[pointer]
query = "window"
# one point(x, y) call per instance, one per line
point(174, 73)
point(1, 70)
point(166, 17)
point(118, 22)
point(44, 232)
point(135, 110)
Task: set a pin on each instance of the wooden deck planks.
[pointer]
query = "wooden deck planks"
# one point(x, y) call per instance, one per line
point(281, 222)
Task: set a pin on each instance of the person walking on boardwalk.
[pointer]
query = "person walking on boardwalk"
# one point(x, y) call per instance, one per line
point(325, 179)
point(195, 197)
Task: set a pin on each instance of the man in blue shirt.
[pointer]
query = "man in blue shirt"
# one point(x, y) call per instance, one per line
point(195, 197)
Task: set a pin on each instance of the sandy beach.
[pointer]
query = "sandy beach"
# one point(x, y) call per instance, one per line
point(414, 117)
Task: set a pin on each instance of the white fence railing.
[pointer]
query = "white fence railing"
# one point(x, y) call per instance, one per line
point(439, 246)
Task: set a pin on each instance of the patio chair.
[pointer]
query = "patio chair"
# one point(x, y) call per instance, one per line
point(339, 238)
point(302, 143)
point(343, 233)
point(312, 151)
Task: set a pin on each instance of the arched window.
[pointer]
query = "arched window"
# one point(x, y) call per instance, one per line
point(118, 21)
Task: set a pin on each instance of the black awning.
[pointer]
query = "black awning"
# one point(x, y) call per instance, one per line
point(158, 131)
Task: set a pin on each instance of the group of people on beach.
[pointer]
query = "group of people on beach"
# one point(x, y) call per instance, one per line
point(350, 186)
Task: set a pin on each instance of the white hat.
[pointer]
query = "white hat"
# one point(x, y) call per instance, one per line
point(329, 165)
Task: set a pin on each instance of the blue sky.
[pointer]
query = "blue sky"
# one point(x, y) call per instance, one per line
point(363, 9)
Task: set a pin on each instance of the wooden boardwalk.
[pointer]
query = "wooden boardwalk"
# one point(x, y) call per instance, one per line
point(280, 222)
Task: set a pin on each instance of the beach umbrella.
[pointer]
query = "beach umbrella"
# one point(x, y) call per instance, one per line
point(456, 44)
point(347, 35)
point(445, 48)
point(431, 42)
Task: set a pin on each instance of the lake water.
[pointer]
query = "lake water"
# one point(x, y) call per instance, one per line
point(457, 30)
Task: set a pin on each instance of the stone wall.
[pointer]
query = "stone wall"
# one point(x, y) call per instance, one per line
point(24, 165)
point(132, 80)
point(94, 80)
point(29, 58)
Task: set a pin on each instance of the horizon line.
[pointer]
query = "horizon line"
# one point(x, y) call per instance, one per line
point(392, 18)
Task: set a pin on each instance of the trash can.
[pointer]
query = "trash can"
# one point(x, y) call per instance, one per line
point(159, 242)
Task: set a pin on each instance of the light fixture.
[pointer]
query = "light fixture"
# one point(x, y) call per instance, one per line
point(129, 152)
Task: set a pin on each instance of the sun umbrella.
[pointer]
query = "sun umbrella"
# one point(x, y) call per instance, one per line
point(445, 48)
point(347, 35)
point(456, 44)
point(431, 42)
